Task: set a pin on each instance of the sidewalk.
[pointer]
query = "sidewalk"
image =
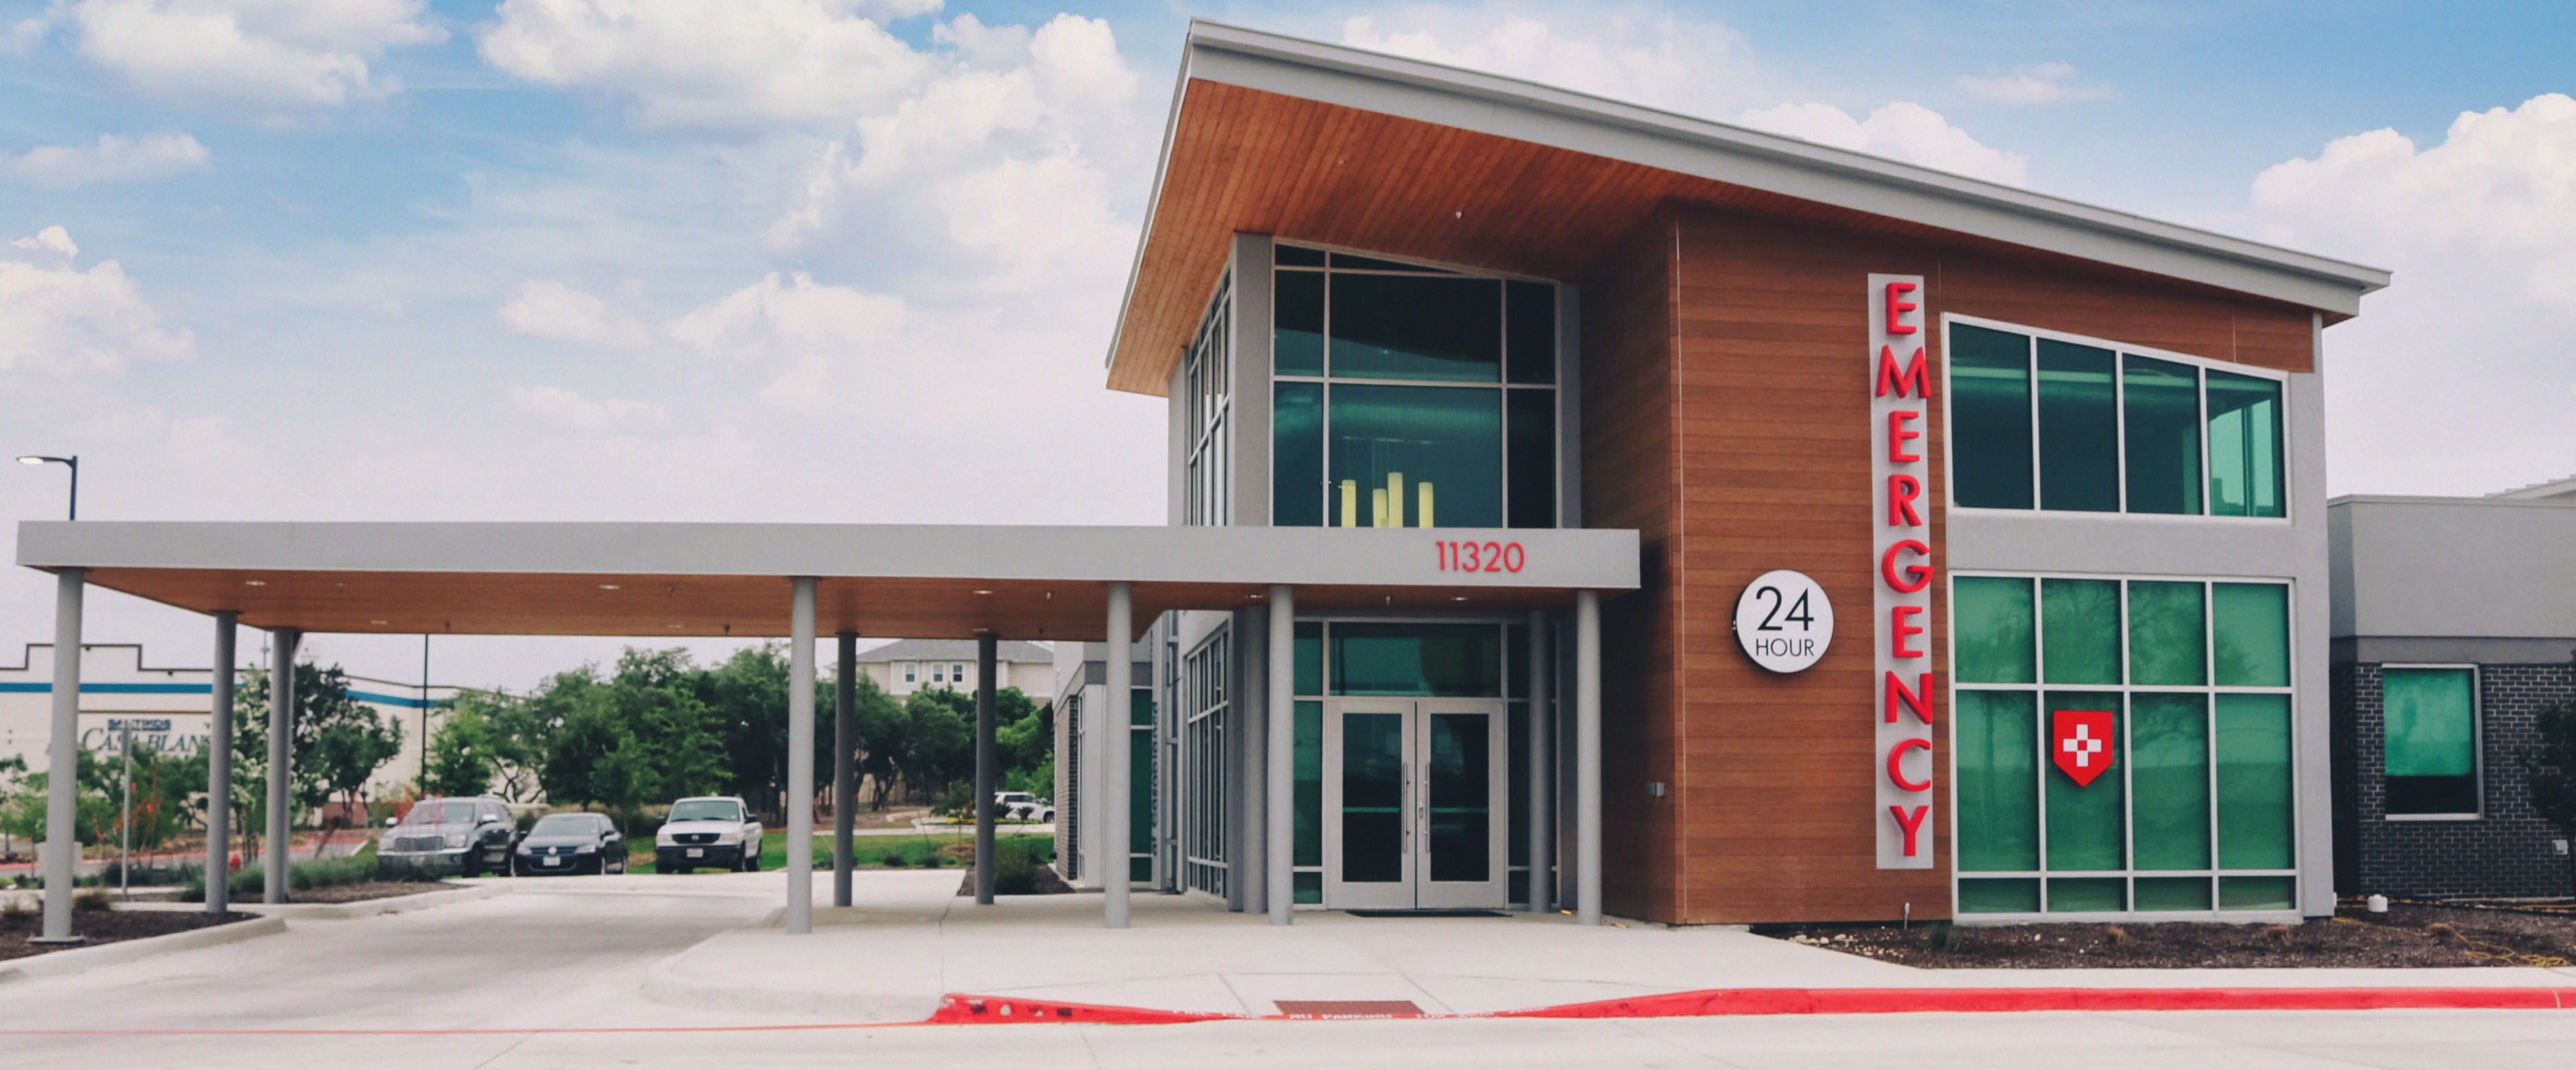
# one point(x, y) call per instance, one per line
point(916, 940)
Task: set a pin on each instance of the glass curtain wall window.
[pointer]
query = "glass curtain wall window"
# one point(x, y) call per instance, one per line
point(1207, 378)
point(2429, 749)
point(2195, 811)
point(1408, 396)
point(1203, 762)
point(2046, 422)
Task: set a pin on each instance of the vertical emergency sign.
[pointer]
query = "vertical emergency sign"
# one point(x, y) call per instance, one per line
point(1900, 413)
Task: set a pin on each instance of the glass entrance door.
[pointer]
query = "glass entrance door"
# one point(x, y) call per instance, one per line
point(1413, 795)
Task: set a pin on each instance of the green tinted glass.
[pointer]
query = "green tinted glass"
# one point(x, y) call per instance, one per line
point(1989, 418)
point(2172, 893)
point(1994, 630)
point(2256, 893)
point(2080, 630)
point(1999, 896)
point(1532, 331)
point(2161, 401)
point(2244, 445)
point(1310, 658)
point(2254, 810)
point(2252, 626)
point(1296, 454)
point(1297, 317)
point(2167, 634)
point(2169, 771)
point(1140, 707)
point(1416, 457)
point(1308, 774)
point(2090, 895)
point(1533, 457)
point(1450, 660)
point(1996, 764)
point(1310, 887)
point(1413, 327)
point(2079, 429)
point(2431, 722)
point(2084, 823)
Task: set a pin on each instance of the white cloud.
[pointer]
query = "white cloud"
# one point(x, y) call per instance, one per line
point(544, 308)
point(60, 320)
point(2452, 380)
point(276, 59)
point(1902, 131)
point(686, 63)
point(1638, 54)
point(568, 409)
point(2033, 83)
point(798, 331)
point(113, 159)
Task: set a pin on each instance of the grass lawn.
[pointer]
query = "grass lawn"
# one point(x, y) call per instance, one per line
point(951, 851)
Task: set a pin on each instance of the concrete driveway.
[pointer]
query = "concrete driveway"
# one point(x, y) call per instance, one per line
point(550, 974)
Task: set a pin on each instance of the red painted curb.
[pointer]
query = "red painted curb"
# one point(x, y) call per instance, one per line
point(1719, 1002)
point(1748, 1001)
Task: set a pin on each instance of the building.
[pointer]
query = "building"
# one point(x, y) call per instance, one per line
point(2056, 472)
point(167, 708)
point(908, 665)
point(2453, 626)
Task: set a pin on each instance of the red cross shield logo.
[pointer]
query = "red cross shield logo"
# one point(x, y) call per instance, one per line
point(2082, 744)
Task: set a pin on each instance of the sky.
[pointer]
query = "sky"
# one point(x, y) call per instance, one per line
point(858, 260)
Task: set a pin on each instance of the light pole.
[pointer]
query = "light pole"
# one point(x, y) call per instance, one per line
point(72, 462)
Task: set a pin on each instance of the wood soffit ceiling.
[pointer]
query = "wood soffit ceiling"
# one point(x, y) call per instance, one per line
point(1251, 161)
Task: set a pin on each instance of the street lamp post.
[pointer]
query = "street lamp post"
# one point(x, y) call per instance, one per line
point(72, 462)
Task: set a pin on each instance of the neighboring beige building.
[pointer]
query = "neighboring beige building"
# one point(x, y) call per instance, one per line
point(908, 665)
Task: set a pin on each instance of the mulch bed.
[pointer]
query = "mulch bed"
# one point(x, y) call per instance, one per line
point(353, 893)
point(2408, 935)
point(102, 927)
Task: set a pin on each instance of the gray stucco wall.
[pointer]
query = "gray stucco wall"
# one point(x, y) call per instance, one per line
point(2455, 568)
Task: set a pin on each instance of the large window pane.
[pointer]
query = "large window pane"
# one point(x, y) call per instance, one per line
point(1297, 317)
point(1531, 355)
point(2168, 642)
point(2004, 896)
point(2084, 823)
point(2079, 431)
point(1307, 787)
point(1432, 660)
point(2172, 893)
point(1409, 327)
point(2254, 782)
point(1310, 658)
point(1416, 456)
point(2162, 403)
point(1989, 418)
point(2080, 630)
point(1998, 745)
point(2252, 622)
point(1296, 454)
point(2087, 895)
point(2244, 445)
point(1994, 634)
point(1533, 460)
point(2169, 771)
point(2431, 743)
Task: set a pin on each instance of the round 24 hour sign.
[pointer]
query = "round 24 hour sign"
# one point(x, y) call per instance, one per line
point(1784, 621)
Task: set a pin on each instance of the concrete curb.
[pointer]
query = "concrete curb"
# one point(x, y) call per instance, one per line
point(365, 908)
point(78, 959)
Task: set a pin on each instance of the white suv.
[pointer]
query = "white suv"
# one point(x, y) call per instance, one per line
point(1021, 806)
point(709, 831)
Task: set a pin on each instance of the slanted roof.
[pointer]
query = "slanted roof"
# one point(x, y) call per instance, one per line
point(1316, 142)
point(1007, 650)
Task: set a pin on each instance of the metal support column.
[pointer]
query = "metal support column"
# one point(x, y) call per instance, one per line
point(62, 760)
point(219, 767)
point(1541, 881)
point(1280, 780)
point(281, 759)
point(845, 743)
point(1587, 757)
point(1118, 746)
point(987, 768)
point(800, 758)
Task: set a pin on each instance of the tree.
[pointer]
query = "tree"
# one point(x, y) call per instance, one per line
point(2549, 768)
point(883, 727)
point(641, 735)
point(337, 742)
point(938, 747)
point(461, 759)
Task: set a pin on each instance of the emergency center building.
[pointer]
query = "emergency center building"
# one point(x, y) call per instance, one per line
point(1983, 533)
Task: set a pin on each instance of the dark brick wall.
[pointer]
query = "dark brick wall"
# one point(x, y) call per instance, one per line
point(2505, 852)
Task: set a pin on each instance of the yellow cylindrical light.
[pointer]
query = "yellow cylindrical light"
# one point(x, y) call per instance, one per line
point(1377, 507)
point(1395, 499)
point(1350, 503)
point(1422, 511)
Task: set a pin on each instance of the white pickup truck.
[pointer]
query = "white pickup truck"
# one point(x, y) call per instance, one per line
point(711, 832)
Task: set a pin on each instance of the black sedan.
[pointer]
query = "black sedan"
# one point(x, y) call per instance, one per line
point(570, 843)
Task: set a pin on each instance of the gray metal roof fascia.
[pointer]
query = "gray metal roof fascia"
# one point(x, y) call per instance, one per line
point(1556, 558)
point(2461, 501)
point(1528, 111)
point(1153, 203)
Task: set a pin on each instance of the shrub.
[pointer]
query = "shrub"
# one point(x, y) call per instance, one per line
point(1940, 936)
point(17, 910)
point(895, 860)
point(1015, 869)
point(91, 900)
